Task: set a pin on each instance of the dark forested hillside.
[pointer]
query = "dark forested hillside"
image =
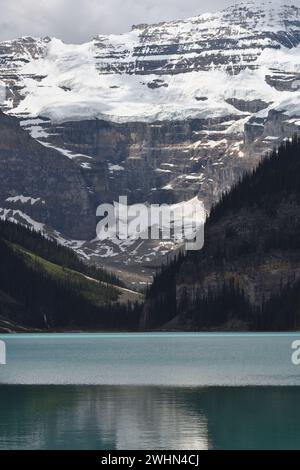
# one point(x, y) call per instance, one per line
point(45, 286)
point(248, 274)
point(53, 251)
point(247, 277)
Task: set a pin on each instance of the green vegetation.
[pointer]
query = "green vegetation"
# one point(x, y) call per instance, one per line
point(45, 286)
point(52, 251)
point(94, 290)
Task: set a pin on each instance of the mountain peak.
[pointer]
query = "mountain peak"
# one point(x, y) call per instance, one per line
point(267, 7)
point(229, 80)
point(265, 15)
point(275, 15)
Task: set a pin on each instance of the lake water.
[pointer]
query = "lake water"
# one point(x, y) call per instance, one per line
point(149, 391)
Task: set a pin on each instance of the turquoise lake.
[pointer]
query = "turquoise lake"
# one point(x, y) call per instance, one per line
point(149, 391)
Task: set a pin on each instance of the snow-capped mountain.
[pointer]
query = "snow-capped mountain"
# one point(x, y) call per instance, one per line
point(165, 112)
point(178, 70)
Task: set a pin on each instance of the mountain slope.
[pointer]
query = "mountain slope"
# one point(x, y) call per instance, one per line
point(162, 114)
point(47, 287)
point(248, 274)
point(101, 78)
point(36, 183)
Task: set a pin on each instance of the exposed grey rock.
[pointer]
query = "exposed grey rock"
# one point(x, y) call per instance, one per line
point(169, 160)
point(29, 170)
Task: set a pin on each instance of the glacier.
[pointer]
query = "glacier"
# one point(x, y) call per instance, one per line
point(162, 114)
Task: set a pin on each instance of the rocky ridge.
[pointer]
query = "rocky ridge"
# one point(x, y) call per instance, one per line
point(164, 113)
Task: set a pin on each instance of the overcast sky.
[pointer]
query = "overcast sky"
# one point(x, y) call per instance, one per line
point(80, 20)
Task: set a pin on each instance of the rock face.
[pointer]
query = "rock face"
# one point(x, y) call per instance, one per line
point(232, 39)
point(252, 250)
point(163, 113)
point(38, 185)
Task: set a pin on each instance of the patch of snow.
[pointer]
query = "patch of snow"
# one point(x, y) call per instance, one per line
point(24, 200)
point(271, 138)
point(161, 170)
point(66, 153)
point(17, 216)
point(113, 168)
point(86, 166)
